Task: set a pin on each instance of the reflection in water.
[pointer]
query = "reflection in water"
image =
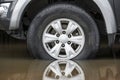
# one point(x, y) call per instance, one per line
point(63, 70)
point(109, 75)
point(59, 70)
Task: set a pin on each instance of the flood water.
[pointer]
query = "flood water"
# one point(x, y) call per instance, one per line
point(19, 69)
point(17, 64)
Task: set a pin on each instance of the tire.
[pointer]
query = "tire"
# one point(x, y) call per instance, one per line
point(79, 18)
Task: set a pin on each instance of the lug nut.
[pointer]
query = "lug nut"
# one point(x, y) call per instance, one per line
point(57, 77)
point(58, 35)
point(63, 73)
point(69, 42)
point(57, 41)
point(63, 45)
point(64, 32)
point(69, 36)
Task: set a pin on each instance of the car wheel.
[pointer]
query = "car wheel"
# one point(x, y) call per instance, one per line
point(63, 31)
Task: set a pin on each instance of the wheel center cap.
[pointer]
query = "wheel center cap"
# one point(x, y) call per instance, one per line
point(63, 38)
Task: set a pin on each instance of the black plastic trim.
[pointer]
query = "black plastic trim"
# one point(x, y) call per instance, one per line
point(4, 23)
point(111, 39)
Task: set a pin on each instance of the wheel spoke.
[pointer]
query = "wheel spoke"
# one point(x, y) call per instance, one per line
point(69, 50)
point(49, 38)
point(56, 69)
point(56, 49)
point(69, 68)
point(71, 27)
point(57, 27)
point(78, 77)
point(63, 34)
point(77, 39)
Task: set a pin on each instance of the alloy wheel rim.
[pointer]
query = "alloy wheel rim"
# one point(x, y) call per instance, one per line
point(63, 39)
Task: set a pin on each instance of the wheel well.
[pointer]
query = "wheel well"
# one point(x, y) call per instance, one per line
point(89, 6)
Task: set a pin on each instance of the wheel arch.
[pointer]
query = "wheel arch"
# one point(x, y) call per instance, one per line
point(103, 5)
point(109, 18)
point(17, 13)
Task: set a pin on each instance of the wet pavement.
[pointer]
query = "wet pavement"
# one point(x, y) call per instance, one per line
point(17, 64)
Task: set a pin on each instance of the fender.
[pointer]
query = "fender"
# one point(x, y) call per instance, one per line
point(108, 15)
point(17, 13)
point(103, 5)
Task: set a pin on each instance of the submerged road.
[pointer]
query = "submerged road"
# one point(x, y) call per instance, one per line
point(17, 64)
